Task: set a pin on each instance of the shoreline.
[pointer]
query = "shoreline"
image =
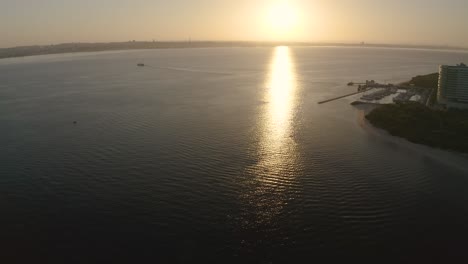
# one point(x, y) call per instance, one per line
point(418, 124)
point(450, 158)
point(419, 121)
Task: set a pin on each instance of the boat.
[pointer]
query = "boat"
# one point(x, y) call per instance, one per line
point(141, 65)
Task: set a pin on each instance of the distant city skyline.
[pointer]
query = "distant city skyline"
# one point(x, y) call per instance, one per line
point(416, 22)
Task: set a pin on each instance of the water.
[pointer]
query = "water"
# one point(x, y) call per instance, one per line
point(219, 155)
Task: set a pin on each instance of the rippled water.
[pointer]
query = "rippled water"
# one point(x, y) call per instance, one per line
point(219, 155)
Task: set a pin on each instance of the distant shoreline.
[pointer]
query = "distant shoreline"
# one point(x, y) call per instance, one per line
point(26, 51)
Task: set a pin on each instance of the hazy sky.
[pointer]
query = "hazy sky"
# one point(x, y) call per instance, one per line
point(25, 22)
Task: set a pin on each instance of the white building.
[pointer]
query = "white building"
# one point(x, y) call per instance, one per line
point(453, 86)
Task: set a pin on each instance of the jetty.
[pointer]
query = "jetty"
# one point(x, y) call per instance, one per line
point(344, 96)
point(364, 87)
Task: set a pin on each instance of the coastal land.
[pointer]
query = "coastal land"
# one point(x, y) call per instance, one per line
point(422, 124)
point(136, 45)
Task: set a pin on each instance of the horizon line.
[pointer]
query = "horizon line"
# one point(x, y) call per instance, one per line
point(262, 42)
point(81, 47)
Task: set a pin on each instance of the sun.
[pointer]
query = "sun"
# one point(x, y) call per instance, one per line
point(282, 18)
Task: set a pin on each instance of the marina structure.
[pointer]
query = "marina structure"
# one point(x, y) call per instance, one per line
point(375, 93)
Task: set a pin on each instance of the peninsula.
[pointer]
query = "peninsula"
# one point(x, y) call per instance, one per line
point(423, 124)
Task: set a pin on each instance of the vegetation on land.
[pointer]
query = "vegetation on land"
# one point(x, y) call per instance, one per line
point(429, 81)
point(445, 129)
point(422, 125)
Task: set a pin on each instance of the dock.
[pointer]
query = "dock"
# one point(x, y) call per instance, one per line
point(411, 93)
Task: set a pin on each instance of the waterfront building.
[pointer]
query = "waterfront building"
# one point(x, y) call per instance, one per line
point(453, 86)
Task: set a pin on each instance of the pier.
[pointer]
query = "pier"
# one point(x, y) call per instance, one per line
point(364, 87)
point(344, 96)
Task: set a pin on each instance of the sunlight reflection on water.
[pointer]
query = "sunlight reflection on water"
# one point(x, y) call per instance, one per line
point(274, 174)
point(276, 142)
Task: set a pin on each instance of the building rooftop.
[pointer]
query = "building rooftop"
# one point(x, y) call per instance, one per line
point(461, 65)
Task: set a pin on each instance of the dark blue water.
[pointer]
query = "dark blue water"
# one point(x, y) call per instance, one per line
point(219, 155)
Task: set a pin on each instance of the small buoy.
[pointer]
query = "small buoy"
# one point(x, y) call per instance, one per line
point(74, 122)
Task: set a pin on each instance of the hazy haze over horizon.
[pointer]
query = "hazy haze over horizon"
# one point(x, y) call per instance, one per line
point(428, 22)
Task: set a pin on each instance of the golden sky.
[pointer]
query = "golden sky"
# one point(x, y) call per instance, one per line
point(26, 22)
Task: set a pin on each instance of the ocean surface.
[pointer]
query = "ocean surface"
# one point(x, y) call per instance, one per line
point(219, 155)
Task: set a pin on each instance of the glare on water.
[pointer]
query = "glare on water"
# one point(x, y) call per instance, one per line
point(274, 172)
point(276, 144)
point(281, 88)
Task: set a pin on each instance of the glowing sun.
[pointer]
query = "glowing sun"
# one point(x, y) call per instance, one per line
point(282, 18)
